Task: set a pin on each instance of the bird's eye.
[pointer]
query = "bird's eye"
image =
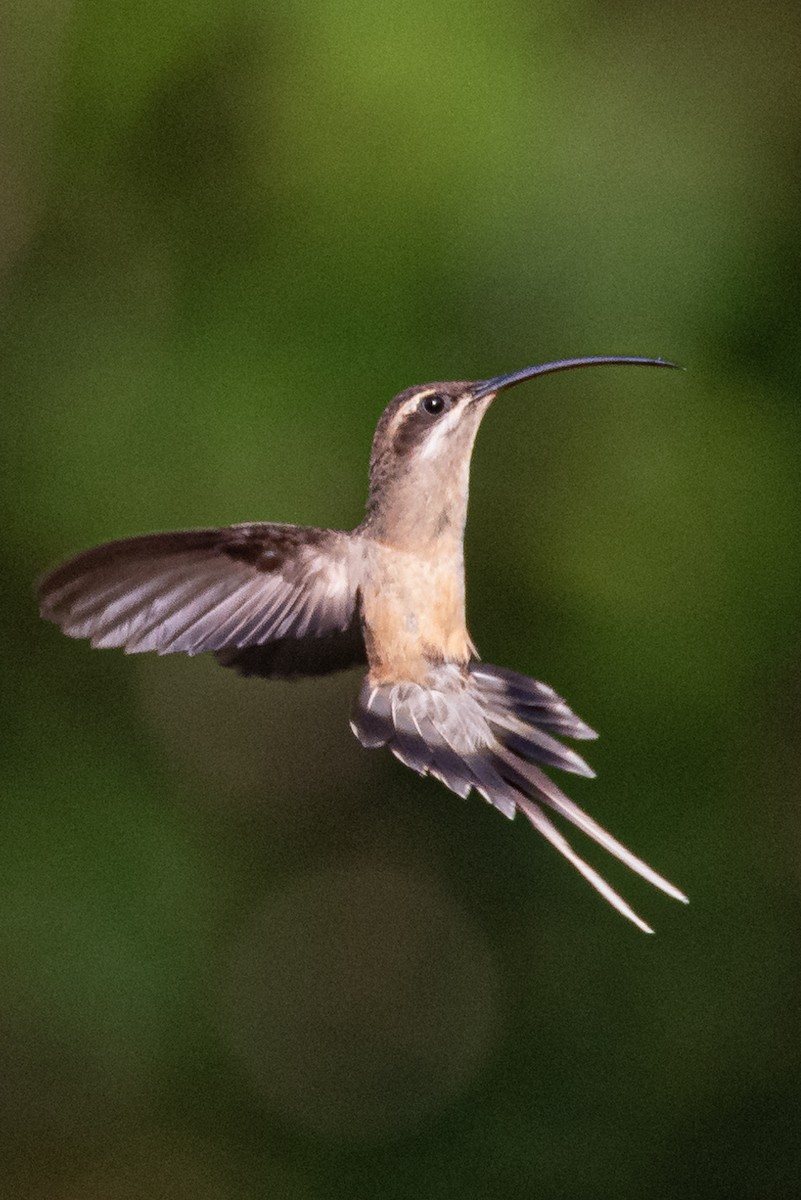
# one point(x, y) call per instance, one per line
point(433, 404)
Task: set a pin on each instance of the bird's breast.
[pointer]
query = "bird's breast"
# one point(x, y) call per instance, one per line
point(413, 609)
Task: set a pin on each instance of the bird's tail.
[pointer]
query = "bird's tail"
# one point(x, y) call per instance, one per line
point(487, 728)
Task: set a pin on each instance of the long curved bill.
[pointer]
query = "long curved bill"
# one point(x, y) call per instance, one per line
point(499, 383)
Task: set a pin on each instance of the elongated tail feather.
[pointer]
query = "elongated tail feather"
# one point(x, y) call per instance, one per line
point(487, 728)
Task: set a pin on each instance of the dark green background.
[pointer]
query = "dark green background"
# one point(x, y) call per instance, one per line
point(243, 957)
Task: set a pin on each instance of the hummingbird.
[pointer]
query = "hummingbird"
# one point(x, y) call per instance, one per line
point(283, 601)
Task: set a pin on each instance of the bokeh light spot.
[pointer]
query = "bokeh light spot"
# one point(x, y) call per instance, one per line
point(361, 1001)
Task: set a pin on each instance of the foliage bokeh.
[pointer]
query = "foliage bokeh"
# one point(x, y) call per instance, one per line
point(244, 957)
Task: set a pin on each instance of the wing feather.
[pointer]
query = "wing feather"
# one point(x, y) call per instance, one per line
point(217, 590)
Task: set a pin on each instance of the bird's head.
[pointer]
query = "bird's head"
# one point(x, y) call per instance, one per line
point(419, 465)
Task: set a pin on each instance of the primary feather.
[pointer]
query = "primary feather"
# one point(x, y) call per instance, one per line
point(232, 591)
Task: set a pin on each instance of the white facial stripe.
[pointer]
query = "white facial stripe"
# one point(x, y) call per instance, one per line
point(409, 407)
point(413, 403)
point(441, 432)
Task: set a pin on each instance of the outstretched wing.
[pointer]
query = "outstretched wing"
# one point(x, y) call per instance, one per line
point(485, 728)
point(235, 591)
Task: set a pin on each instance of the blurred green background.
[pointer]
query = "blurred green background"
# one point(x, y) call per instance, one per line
point(243, 957)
